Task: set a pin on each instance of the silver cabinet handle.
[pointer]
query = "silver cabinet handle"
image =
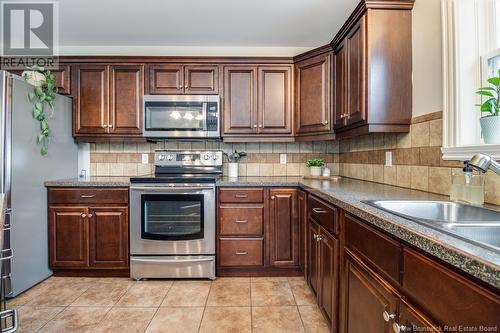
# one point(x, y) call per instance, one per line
point(241, 221)
point(110, 126)
point(273, 197)
point(400, 328)
point(388, 316)
point(104, 126)
point(254, 125)
point(319, 211)
point(87, 196)
point(180, 86)
point(241, 196)
point(241, 253)
point(84, 216)
point(325, 122)
point(319, 238)
point(260, 126)
point(90, 216)
point(4, 315)
point(315, 237)
point(186, 86)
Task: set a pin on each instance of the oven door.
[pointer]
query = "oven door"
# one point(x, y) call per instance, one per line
point(172, 220)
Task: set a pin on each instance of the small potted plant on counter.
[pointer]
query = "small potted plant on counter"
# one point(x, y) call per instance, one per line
point(315, 166)
point(233, 159)
point(490, 121)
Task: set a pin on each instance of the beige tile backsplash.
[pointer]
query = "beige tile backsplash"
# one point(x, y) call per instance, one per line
point(416, 158)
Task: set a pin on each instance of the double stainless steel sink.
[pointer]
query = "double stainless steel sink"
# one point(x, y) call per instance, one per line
point(471, 223)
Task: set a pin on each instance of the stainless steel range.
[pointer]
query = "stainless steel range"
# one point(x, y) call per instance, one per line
point(172, 216)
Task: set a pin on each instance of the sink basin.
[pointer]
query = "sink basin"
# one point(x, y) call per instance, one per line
point(471, 223)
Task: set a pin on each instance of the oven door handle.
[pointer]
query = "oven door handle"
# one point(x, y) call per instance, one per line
point(171, 189)
point(171, 260)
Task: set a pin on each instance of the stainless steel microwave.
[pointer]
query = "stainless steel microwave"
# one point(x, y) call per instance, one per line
point(182, 116)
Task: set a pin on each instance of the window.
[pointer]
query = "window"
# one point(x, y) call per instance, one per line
point(471, 54)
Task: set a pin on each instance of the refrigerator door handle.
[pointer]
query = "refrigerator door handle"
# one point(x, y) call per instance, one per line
point(2, 257)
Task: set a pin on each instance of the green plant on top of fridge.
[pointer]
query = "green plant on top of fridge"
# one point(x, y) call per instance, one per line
point(44, 94)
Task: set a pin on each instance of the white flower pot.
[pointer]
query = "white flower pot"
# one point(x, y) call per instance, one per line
point(232, 170)
point(35, 78)
point(490, 129)
point(315, 171)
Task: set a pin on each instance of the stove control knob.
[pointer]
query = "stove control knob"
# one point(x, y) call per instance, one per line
point(170, 157)
point(161, 157)
point(215, 156)
point(206, 157)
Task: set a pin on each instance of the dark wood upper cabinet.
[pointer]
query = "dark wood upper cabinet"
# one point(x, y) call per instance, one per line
point(63, 78)
point(366, 298)
point(240, 99)
point(126, 99)
point(109, 237)
point(108, 100)
point(284, 228)
point(376, 79)
point(176, 79)
point(201, 79)
point(356, 65)
point(166, 79)
point(91, 99)
point(68, 245)
point(275, 100)
point(313, 94)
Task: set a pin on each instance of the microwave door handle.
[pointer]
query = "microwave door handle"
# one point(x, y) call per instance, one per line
point(204, 114)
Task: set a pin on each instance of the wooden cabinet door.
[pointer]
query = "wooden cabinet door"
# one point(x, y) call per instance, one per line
point(355, 73)
point(90, 103)
point(302, 212)
point(284, 228)
point(340, 89)
point(275, 100)
point(240, 99)
point(412, 320)
point(328, 275)
point(313, 231)
point(313, 94)
point(63, 79)
point(68, 237)
point(166, 79)
point(126, 93)
point(366, 297)
point(108, 237)
point(201, 79)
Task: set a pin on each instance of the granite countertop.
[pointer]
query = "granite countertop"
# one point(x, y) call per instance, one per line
point(348, 194)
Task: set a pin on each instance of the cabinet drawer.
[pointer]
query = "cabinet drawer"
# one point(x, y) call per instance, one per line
point(88, 196)
point(241, 195)
point(380, 251)
point(324, 214)
point(244, 221)
point(241, 252)
point(449, 298)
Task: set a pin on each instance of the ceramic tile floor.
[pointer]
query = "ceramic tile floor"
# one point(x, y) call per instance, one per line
point(275, 304)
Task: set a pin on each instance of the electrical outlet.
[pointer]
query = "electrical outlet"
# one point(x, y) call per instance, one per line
point(282, 158)
point(388, 158)
point(145, 158)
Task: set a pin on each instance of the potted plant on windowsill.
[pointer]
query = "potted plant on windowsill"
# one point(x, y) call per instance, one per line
point(315, 166)
point(490, 121)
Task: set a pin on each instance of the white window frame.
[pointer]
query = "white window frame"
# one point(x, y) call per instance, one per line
point(463, 57)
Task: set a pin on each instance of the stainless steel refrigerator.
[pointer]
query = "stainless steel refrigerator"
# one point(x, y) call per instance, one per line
point(23, 171)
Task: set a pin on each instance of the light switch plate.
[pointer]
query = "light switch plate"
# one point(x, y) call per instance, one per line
point(145, 158)
point(282, 158)
point(388, 158)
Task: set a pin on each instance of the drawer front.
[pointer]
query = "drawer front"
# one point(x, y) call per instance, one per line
point(446, 295)
point(241, 195)
point(88, 196)
point(242, 221)
point(241, 252)
point(324, 214)
point(380, 251)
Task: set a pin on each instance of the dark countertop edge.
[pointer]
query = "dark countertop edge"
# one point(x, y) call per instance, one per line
point(471, 264)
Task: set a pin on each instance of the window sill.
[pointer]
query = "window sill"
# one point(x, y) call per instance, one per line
point(466, 152)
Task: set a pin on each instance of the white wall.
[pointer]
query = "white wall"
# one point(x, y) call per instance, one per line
point(427, 57)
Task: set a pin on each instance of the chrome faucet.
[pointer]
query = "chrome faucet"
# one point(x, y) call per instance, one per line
point(484, 162)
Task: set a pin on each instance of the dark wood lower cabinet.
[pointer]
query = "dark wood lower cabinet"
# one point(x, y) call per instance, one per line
point(328, 276)
point(89, 236)
point(312, 255)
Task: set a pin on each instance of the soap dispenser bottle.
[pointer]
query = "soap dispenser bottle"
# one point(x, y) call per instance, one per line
point(467, 186)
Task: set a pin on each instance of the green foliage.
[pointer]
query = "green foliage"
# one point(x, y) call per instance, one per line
point(41, 97)
point(491, 106)
point(317, 162)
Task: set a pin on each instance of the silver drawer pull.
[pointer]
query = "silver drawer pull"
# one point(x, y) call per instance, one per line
point(241, 253)
point(241, 221)
point(241, 195)
point(87, 196)
point(4, 315)
point(319, 211)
